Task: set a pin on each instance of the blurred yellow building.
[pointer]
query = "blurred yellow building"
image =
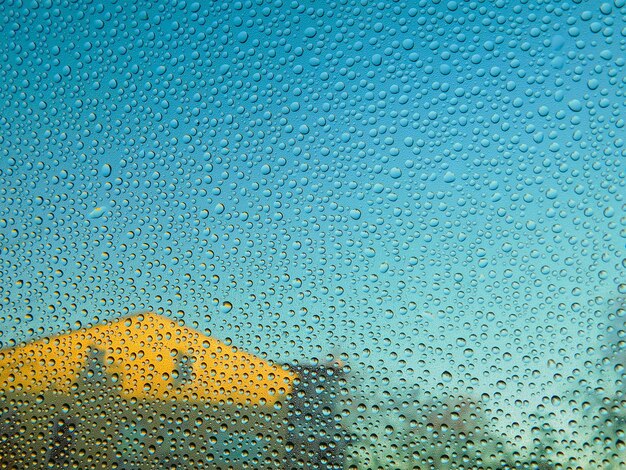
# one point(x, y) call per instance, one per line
point(143, 392)
point(151, 357)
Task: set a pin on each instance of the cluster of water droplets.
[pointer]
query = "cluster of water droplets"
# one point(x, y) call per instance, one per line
point(432, 190)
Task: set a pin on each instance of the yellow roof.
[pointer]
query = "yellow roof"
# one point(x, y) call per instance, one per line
point(149, 357)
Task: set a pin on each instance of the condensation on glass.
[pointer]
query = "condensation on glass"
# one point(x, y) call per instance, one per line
point(312, 234)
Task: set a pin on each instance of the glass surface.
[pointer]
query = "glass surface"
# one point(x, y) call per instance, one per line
point(312, 234)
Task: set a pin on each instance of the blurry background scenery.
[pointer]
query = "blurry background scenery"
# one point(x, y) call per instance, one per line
point(431, 192)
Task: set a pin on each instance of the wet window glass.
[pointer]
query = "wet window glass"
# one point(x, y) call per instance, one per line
point(312, 234)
